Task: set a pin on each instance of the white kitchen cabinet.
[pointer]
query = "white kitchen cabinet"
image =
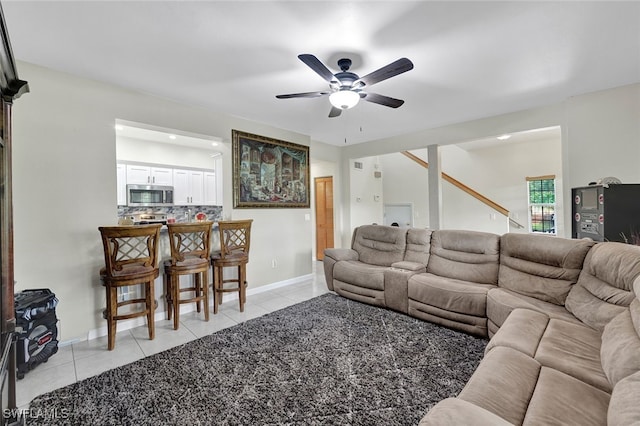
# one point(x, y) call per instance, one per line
point(146, 175)
point(196, 181)
point(188, 187)
point(121, 184)
point(162, 176)
point(210, 189)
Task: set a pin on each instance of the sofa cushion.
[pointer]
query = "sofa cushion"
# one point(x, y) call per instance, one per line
point(604, 287)
point(541, 266)
point(559, 399)
point(450, 294)
point(454, 412)
point(501, 302)
point(575, 350)
point(360, 274)
point(571, 348)
point(620, 351)
point(418, 246)
point(623, 407)
point(503, 384)
point(465, 255)
point(380, 245)
point(520, 390)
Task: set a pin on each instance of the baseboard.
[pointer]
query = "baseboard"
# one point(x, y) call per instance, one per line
point(184, 309)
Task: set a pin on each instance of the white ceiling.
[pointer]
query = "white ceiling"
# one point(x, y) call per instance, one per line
point(529, 136)
point(126, 129)
point(472, 59)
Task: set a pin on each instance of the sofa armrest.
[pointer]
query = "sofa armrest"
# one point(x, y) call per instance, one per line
point(522, 331)
point(396, 284)
point(333, 256)
point(453, 411)
point(416, 267)
point(339, 254)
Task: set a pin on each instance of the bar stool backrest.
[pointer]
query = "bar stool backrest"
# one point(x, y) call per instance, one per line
point(235, 237)
point(189, 240)
point(129, 247)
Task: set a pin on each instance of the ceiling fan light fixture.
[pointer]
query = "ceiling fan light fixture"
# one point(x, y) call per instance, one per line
point(344, 99)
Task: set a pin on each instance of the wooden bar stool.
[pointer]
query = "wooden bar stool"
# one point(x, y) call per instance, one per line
point(190, 249)
point(131, 258)
point(235, 237)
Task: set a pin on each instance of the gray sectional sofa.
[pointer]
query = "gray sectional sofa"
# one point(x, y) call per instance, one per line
point(563, 317)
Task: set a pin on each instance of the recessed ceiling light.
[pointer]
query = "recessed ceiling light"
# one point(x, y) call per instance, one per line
point(504, 137)
point(119, 127)
point(214, 143)
point(172, 137)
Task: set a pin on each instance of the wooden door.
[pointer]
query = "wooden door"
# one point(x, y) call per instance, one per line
point(324, 215)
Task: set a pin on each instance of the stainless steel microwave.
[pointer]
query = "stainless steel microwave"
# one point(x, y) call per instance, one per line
point(149, 195)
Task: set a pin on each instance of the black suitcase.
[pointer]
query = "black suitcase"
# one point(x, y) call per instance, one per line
point(36, 328)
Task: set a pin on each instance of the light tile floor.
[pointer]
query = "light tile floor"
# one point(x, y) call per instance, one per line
point(88, 358)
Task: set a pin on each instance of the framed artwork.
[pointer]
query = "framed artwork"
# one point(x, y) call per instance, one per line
point(268, 172)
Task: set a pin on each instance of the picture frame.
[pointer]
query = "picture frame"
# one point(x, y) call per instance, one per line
point(269, 173)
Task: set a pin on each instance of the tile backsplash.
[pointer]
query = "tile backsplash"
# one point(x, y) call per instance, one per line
point(180, 213)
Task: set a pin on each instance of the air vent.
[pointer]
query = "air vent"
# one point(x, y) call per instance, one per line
point(358, 165)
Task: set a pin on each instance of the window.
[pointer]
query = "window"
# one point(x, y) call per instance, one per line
point(542, 204)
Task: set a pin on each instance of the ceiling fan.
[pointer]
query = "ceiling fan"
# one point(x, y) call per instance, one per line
point(347, 88)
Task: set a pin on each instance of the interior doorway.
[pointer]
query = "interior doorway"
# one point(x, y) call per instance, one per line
point(398, 214)
point(324, 214)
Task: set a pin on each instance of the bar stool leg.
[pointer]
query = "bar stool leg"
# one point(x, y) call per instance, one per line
point(197, 289)
point(216, 285)
point(175, 284)
point(168, 292)
point(205, 294)
point(151, 307)
point(241, 286)
point(112, 312)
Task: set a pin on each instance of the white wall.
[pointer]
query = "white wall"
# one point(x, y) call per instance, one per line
point(405, 181)
point(600, 134)
point(65, 187)
point(461, 211)
point(497, 172)
point(366, 193)
point(602, 139)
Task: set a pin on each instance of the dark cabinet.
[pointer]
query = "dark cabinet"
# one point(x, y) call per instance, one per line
point(607, 212)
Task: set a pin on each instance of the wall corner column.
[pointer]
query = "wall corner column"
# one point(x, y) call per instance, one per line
point(435, 187)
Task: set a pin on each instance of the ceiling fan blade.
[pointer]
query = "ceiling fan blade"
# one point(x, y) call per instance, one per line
point(334, 112)
point(391, 70)
point(383, 100)
point(303, 95)
point(315, 64)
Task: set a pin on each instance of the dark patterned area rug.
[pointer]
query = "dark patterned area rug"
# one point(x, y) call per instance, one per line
point(326, 361)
